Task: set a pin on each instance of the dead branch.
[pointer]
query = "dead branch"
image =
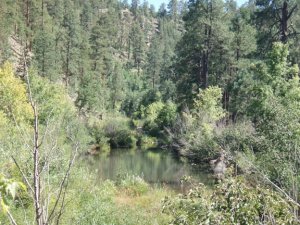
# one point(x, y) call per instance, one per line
point(23, 175)
point(62, 189)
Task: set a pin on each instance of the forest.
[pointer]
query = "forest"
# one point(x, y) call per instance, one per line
point(200, 97)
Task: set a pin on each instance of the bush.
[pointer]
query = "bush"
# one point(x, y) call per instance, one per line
point(194, 132)
point(147, 142)
point(124, 139)
point(157, 116)
point(132, 184)
point(167, 115)
point(114, 131)
point(232, 202)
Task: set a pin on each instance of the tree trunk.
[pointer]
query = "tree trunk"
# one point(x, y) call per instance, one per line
point(36, 178)
point(204, 72)
point(284, 23)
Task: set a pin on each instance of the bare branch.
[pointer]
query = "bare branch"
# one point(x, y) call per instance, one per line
point(36, 175)
point(292, 10)
point(24, 134)
point(48, 156)
point(61, 188)
point(60, 212)
point(46, 130)
point(23, 175)
point(11, 218)
point(272, 183)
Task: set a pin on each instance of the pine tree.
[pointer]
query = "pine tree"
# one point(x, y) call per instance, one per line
point(244, 41)
point(44, 46)
point(135, 7)
point(162, 11)
point(86, 16)
point(154, 62)
point(204, 54)
point(116, 85)
point(275, 22)
point(137, 41)
point(70, 44)
point(102, 41)
point(173, 9)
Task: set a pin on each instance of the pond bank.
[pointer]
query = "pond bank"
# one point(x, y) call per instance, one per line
point(156, 166)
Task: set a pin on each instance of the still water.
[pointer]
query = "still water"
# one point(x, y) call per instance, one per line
point(156, 166)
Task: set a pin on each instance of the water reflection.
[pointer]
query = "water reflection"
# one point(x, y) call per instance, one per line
point(154, 166)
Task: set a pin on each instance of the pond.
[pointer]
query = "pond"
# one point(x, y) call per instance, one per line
point(157, 167)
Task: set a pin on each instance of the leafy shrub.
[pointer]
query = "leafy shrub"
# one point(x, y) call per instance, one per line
point(132, 184)
point(123, 138)
point(13, 97)
point(232, 202)
point(158, 115)
point(9, 190)
point(167, 115)
point(150, 115)
point(53, 100)
point(114, 130)
point(194, 132)
point(150, 97)
point(146, 141)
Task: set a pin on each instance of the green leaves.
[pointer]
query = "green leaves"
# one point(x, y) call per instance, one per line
point(209, 101)
point(9, 189)
point(13, 96)
point(232, 202)
point(51, 98)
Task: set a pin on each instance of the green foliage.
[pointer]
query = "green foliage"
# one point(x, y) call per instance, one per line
point(238, 137)
point(3, 124)
point(146, 142)
point(270, 94)
point(138, 45)
point(92, 94)
point(16, 113)
point(114, 130)
point(150, 114)
point(8, 190)
point(123, 138)
point(199, 63)
point(135, 93)
point(232, 202)
point(13, 96)
point(195, 132)
point(132, 185)
point(167, 115)
point(52, 99)
point(158, 115)
point(207, 103)
point(119, 203)
point(115, 62)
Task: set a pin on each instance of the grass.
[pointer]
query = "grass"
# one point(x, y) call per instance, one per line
point(128, 201)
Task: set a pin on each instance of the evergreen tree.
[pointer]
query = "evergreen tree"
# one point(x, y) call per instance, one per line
point(70, 41)
point(135, 7)
point(244, 40)
point(162, 11)
point(86, 16)
point(173, 9)
point(44, 46)
point(116, 85)
point(102, 42)
point(204, 56)
point(154, 62)
point(137, 41)
point(275, 21)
